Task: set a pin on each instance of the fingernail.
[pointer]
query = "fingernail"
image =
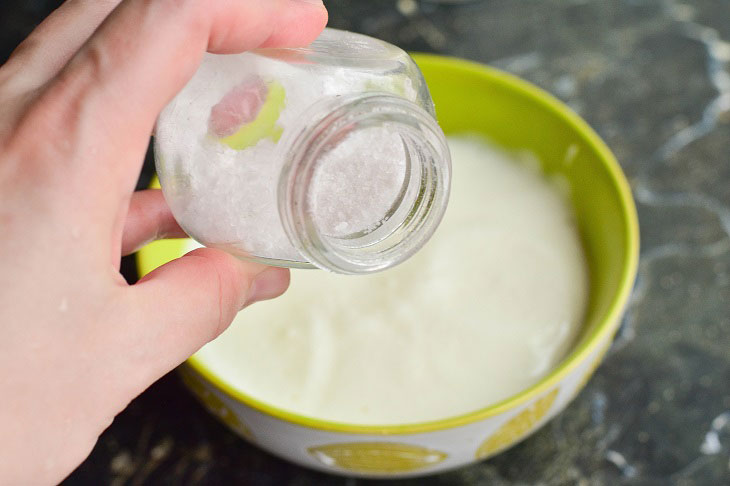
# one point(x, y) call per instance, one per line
point(268, 284)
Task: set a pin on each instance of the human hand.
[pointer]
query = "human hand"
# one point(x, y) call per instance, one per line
point(79, 99)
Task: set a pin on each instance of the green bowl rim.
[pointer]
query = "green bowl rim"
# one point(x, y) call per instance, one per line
point(605, 330)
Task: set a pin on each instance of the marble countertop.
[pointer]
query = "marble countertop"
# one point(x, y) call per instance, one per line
point(653, 78)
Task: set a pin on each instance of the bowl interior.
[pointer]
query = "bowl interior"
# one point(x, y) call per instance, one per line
point(516, 115)
point(472, 98)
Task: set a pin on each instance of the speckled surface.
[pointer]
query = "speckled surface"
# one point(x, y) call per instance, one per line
point(653, 78)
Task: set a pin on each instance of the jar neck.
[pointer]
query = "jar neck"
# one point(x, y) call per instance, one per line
point(396, 137)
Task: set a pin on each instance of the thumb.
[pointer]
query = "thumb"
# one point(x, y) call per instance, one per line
point(191, 300)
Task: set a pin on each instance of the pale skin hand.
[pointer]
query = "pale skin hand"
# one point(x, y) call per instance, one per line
point(79, 99)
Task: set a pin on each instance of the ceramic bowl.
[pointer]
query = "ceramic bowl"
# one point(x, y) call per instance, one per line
point(470, 98)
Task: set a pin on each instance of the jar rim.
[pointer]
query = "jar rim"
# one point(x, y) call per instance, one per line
point(408, 228)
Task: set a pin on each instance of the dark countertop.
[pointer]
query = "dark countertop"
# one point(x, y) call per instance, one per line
point(653, 78)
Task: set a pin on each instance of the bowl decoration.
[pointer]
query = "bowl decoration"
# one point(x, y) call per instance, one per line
point(469, 98)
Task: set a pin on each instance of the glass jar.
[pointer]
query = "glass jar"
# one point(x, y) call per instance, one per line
point(327, 156)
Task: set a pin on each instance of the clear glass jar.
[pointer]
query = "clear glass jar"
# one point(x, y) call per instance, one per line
point(327, 156)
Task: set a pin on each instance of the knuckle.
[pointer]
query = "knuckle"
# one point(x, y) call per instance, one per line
point(170, 7)
point(191, 15)
point(94, 64)
point(44, 136)
point(56, 114)
point(50, 119)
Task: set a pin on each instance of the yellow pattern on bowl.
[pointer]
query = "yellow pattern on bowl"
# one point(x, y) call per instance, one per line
point(377, 457)
point(471, 98)
point(518, 427)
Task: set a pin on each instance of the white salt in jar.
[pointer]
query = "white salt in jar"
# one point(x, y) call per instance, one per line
point(326, 156)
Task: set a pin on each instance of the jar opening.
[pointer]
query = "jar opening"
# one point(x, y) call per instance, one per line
point(366, 186)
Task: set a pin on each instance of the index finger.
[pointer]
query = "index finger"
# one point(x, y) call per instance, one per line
point(111, 92)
